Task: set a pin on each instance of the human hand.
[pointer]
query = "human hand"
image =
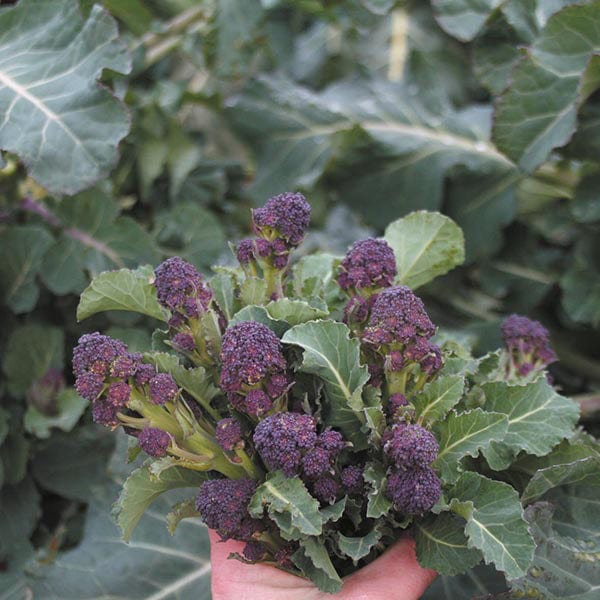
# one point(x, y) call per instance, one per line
point(395, 575)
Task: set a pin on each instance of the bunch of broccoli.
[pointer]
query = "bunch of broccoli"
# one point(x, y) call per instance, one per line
point(266, 418)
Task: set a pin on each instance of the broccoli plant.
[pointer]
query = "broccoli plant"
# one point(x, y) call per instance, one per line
point(319, 414)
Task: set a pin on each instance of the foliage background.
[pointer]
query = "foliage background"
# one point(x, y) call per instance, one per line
point(373, 108)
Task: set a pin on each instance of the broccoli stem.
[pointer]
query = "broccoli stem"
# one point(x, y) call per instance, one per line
point(253, 470)
point(273, 279)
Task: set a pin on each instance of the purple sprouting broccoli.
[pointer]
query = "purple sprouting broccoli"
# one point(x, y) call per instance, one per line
point(89, 385)
point(332, 441)
point(163, 388)
point(316, 462)
point(105, 413)
point(144, 374)
point(245, 251)
point(283, 556)
point(223, 506)
point(326, 489)
point(369, 264)
point(153, 441)
point(118, 394)
point(43, 392)
point(398, 316)
point(254, 551)
point(352, 479)
point(357, 309)
point(527, 344)
point(184, 342)
point(282, 439)
point(411, 446)
point(396, 402)
point(181, 289)
point(413, 491)
point(96, 353)
point(285, 217)
point(228, 433)
point(125, 366)
point(253, 367)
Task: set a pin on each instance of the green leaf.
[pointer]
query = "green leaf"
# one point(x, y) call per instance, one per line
point(538, 419)
point(465, 434)
point(55, 116)
point(152, 565)
point(581, 287)
point(223, 287)
point(495, 523)
point(463, 19)
point(378, 504)
point(475, 583)
point(121, 290)
point(586, 204)
point(562, 474)
point(30, 352)
point(141, 489)
point(314, 277)
point(551, 79)
point(14, 456)
point(441, 545)
point(26, 246)
point(253, 291)
point(289, 504)
point(295, 312)
point(260, 315)
point(358, 547)
point(426, 245)
point(438, 397)
point(330, 354)
point(186, 509)
point(313, 560)
point(334, 512)
point(69, 408)
point(196, 382)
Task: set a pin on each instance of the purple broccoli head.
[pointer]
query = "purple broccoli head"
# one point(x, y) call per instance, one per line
point(184, 342)
point(89, 385)
point(144, 374)
point(285, 216)
point(527, 343)
point(282, 439)
point(181, 288)
point(398, 316)
point(411, 446)
point(228, 433)
point(154, 441)
point(118, 394)
point(368, 264)
point(254, 551)
point(414, 491)
point(395, 403)
point(245, 251)
point(223, 506)
point(163, 388)
point(105, 413)
point(352, 479)
point(96, 353)
point(326, 489)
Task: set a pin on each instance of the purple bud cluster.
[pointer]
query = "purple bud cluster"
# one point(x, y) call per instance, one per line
point(289, 441)
point(254, 370)
point(280, 226)
point(413, 486)
point(527, 343)
point(368, 264)
point(162, 388)
point(223, 506)
point(153, 441)
point(228, 433)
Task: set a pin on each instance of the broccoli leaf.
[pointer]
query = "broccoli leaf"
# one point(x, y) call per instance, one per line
point(295, 312)
point(465, 434)
point(69, 407)
point(335, 358)
point(313, 560)
point(426, 245)
point(441, 545)
point(495, 523)
point(260, 315)
point(121, 290)
point(358, 547)
point(463, 19)
point(53, 113)
point(141, 489)
point(289, 504)
point(439, 397)
point(378, 504)
point(538, 419)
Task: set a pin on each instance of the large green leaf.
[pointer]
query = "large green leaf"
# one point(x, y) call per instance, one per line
point(295, 312)
point(475, 583)
point(313, 560)
point(289, 504)
point(121, 290)
point(538, 110)
point(495, 523)
point(439, 397)
point(26, 246)
point(538, 419)
point(441, 545)
point(358, 547)
point(142, 488)
point(53, 113)
point(465, 434)
point(335, 358)
point(426, 245)
point(153, 566)
point(464, 18)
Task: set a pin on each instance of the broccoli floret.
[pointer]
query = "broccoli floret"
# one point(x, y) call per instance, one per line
point(326, 489)
point(254, 551)
point(396, 402)
point(105, 413)
point(282, 439)
point(125, 366)
point(316, 462)
point(184, 342)
point(357, 309)
point(283, 556)
point(285, 216)
point(118, 394)
point(96, 353)
point(414, 491)
point(228, 433)
point(245, 251)
point(144, 374)
point(352, 479)
point(253, 367)
point(527, 343)
point(223, 506)
point(89, 385)
point(368, 264)
point(163, 388)
point(398, 315)
point(181, 289)
point(153, 441)
point(411, 446)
